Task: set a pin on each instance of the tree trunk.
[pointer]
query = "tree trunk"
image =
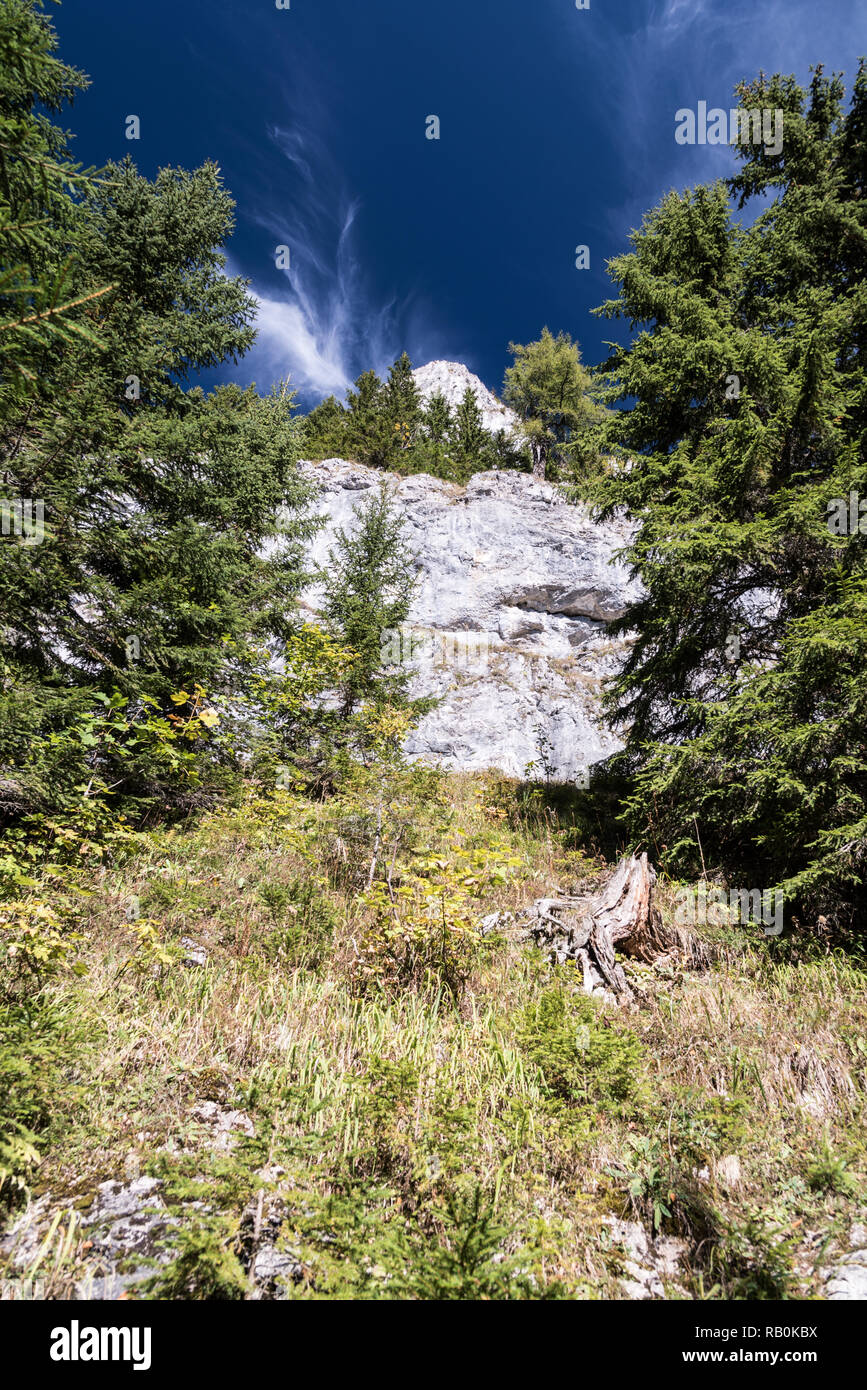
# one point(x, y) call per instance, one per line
point(538, 452)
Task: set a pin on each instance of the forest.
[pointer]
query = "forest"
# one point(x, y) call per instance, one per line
point(243, 982)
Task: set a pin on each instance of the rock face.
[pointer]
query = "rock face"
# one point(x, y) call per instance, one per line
point(509, 625)
point(649, 1264)
point(452, 380)
point(846, 1278)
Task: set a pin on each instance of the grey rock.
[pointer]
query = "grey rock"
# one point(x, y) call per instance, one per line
point(196, 955)
point(115, 1200)
point(858, 1236)
point(509, 624)
point(847, 1280)
point(647, 1261)
point(228, 1124)
point(127, 1224)
point(20, 1243)
point(271, 1269)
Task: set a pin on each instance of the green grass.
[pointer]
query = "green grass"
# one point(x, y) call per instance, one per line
point(435, 1114)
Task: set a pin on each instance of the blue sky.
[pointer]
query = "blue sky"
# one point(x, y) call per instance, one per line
point(557, 129)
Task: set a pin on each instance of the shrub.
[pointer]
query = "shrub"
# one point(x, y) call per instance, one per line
point(37, 1043)
point(205, 1267)
point(584, 1060)
point(469, 1260)
point(303, 920)
point(830, 1173)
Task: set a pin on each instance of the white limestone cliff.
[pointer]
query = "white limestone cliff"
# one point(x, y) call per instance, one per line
point(451, 379)
point(532, 583)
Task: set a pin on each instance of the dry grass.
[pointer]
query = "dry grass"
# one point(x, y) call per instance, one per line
point(424, 1090)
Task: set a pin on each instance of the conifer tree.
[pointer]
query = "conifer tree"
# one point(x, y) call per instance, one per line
point(403, 407)
point(39, 307)
point(433, 448)
point(157, 499)
point(744, 698)
point(438, 419)
point(548, 388)
point(369, 587)
point(472, 447)
point(326, 430)
point(368, 436)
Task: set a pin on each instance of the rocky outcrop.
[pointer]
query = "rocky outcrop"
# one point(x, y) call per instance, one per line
point(451, 380)
point(125, 1231)
point(846, 1278)
point(127, 1226)
point(651, 1265)
point(509, 626)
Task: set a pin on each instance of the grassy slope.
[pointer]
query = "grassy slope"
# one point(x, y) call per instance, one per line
point(435, 1114)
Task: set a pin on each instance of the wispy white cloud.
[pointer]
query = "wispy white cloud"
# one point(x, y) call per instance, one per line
point(291, 345)
point(675, 15)
point(684, 51)
point(325, 324)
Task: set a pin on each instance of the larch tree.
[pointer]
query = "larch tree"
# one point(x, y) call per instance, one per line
point(548, 388)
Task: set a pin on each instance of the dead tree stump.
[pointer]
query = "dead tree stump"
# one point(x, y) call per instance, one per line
point(586, 929)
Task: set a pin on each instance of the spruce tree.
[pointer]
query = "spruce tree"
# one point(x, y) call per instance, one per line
point(744, 697)
point(403, 408)
point(326, 430)
point(158, 500)
point(368, 436)
point(369, 586)
point(438, 419)
point(39, 306)
point(431, 451)
point(471, 444)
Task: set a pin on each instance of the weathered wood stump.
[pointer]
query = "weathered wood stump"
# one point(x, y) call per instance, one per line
point(586, 929)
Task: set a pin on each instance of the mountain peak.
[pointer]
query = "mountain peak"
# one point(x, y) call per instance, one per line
point(452, 380)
